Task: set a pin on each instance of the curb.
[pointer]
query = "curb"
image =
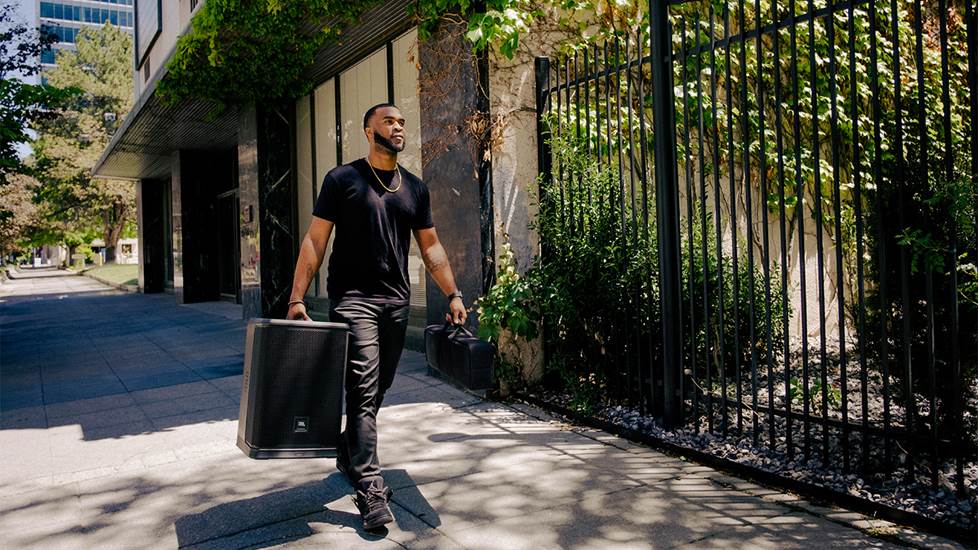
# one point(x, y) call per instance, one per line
point(132, 289)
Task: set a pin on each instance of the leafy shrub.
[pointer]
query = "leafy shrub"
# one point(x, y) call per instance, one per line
point(595, 289)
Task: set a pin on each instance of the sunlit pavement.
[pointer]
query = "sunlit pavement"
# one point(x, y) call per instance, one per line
point(118, 418)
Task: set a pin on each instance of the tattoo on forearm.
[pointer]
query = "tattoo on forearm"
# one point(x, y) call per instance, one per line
point(436, 263)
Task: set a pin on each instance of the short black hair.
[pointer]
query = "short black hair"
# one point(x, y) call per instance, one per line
point(370, 112)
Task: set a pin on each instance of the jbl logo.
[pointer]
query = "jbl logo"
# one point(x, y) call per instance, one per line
point(300, 424)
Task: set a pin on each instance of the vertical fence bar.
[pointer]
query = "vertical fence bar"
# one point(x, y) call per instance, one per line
point(837, 215)
point(738, 396)
point(612, 363)
point(718, 222)
point(634, 336)
point(544, 153)
point(949, 175)
point(622, 332)
point(922, 161)
point(701, 156)
point(800, 214)
point(860, 268)
point(631, 133)
point(904, 258)
point(587, 112)
point(621, 160)
point(884, 346)
point(667, 201)
point(568, 183)
point(559, 133)
point(648, 385)
point(578, 135)
point(971, 18)
point(762, 197)
point(748, 192)
point(687, 164)
point(779, 139)
point(953, 256)
point(642, 134)
point(819, 229)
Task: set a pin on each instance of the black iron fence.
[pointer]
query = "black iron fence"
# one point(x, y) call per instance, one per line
point(763, 219)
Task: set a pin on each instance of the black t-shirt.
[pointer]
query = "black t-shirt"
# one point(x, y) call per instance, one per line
point(373, 230)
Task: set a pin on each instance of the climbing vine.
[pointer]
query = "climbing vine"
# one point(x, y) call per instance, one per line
point(240, 51)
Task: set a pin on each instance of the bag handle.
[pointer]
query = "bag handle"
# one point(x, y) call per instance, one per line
point(454, 329)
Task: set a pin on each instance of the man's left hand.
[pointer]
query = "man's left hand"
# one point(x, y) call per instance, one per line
point(457, 313)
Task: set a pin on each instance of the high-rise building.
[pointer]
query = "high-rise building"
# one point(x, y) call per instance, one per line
point(65, 18)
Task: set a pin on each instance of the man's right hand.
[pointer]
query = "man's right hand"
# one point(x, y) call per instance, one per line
point(297, 312)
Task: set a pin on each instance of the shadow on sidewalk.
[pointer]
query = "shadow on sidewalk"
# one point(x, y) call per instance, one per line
point(297, 513)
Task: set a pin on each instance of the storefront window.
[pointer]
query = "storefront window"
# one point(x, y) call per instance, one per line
point(360, 87)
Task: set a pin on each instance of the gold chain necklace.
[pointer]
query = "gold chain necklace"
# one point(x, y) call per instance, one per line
point(389, 190)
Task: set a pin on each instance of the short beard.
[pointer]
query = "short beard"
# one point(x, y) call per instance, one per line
point(386, 143)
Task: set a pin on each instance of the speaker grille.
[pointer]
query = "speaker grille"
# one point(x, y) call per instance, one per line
point(298, 369)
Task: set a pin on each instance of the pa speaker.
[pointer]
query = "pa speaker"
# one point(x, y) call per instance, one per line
point(292, 389)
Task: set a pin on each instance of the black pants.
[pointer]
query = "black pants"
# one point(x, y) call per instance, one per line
point(376, 342)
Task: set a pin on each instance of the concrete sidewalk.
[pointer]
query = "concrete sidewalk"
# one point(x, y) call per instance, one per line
point(118, 416)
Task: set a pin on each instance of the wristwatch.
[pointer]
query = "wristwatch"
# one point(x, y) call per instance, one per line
point(456, 294)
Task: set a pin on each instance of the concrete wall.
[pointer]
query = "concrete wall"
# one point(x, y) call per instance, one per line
point(175, 20)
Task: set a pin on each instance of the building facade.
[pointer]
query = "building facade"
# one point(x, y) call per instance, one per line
point(65, 18)
point(223, 203)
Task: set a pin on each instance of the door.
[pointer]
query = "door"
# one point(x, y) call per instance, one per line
point(229, 246)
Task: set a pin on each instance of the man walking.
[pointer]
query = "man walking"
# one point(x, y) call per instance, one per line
point(374, 205)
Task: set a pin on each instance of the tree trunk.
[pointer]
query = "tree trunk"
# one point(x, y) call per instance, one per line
point(114, 222)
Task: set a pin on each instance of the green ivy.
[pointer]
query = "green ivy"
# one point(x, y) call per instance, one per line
point(598, 272)
point(239, 51)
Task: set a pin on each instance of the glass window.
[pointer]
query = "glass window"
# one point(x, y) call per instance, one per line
point(115, 18)
point(47, 56)
point(325, 127)
point(405, 57)
point(59, 11)
point(361, 87)
point(47, 10)
point(405, 72)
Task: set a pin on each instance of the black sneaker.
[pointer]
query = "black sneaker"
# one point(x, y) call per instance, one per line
point(372, 501)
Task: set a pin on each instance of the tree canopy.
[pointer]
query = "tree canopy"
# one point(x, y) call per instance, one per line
point(73, 206)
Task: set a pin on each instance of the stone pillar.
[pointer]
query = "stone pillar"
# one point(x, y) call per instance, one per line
point(151, 226)
point(248, 202)
point(456, 171)
point(266, 190)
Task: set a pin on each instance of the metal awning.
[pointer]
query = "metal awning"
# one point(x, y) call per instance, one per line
point(143, 145)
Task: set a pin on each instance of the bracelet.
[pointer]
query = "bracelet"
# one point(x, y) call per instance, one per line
point(456, 294)
point(296, 302)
